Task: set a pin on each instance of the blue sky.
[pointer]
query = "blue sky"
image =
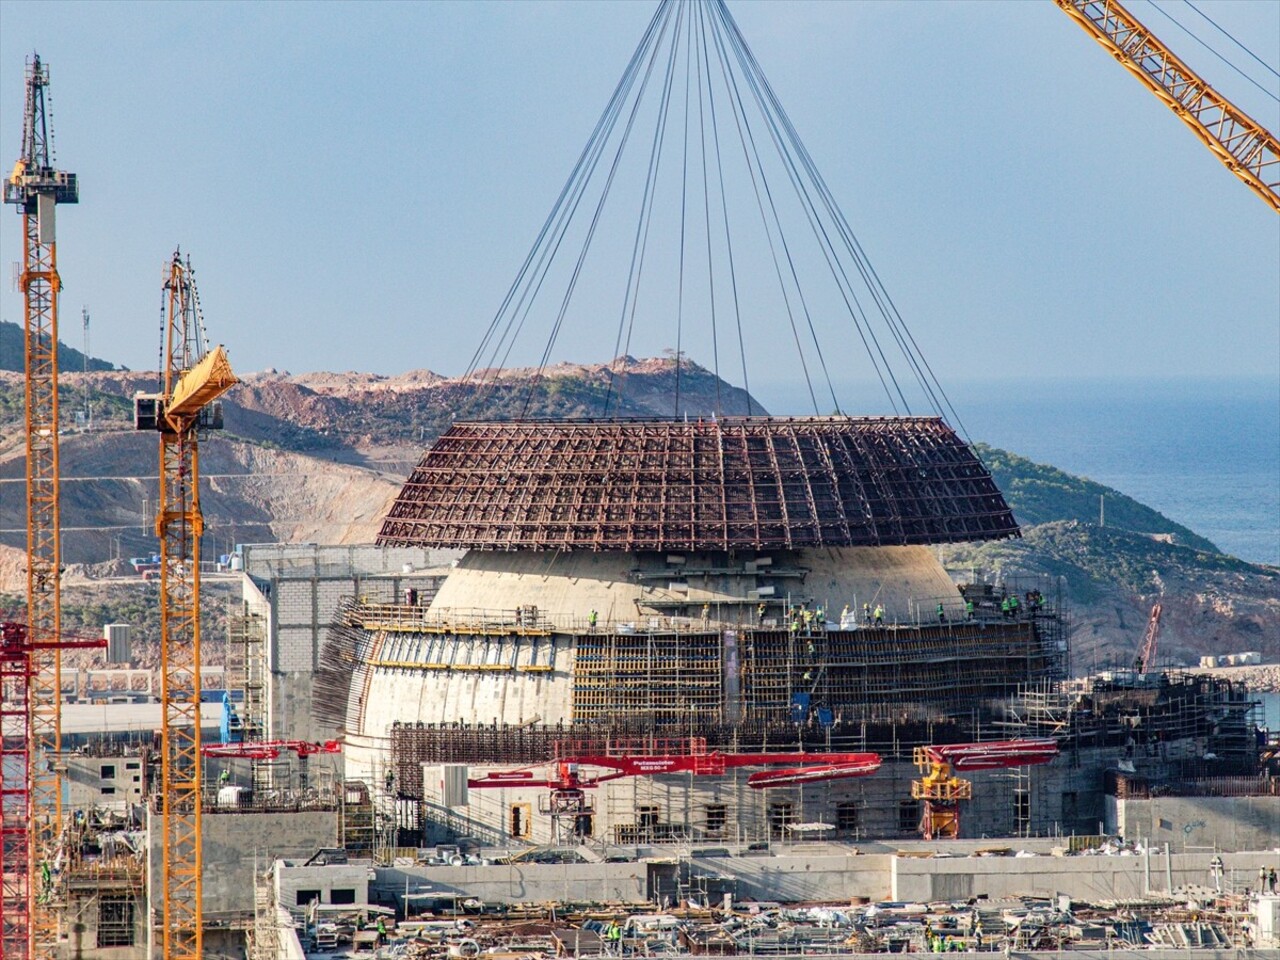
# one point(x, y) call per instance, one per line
point(357, 183)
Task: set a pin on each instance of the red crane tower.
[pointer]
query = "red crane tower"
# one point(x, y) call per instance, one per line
point(36, 188)
point(19, 861)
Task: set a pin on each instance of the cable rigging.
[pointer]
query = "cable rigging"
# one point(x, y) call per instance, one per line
point(737, 148)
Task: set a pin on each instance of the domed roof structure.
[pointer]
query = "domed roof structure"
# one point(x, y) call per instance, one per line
point(727, 484)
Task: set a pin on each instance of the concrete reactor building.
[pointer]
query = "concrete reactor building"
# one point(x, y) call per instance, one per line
point(642, 587)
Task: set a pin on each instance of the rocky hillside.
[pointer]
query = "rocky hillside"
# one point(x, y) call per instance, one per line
point(317, 457)
point(384, 422)
point(1211, 603)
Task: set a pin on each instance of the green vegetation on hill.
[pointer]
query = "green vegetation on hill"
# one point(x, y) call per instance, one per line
point(13, 353)
point(107, 407)
point(86, 611)
point(1042, 494)
point(1094, 561)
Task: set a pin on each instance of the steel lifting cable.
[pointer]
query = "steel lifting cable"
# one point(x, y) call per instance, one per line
point(743, 122)
point(830, 229)
point(595, 219)
point(593, 153)
point(910, 349)
point(641, 242)
point(1270, 69)
point(1192, 34)
point(764, 98)
point(684, 196)
point(706, 219)
point(724, 209)
point(574, 182)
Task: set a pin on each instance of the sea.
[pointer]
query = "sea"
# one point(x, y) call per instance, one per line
point(1204, 452)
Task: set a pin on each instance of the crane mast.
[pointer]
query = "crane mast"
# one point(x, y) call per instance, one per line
point(33, 809)
point(1247, 148)
point(192, 379)
point(1148, 655)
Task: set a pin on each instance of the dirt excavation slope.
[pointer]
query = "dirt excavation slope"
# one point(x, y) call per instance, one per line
point(248, 493)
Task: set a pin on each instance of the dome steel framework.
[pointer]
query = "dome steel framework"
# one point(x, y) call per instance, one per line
point(729, 484)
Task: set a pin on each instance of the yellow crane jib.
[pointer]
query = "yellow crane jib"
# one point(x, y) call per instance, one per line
point(193, 401)
point(199, 387)
point(1244, 146)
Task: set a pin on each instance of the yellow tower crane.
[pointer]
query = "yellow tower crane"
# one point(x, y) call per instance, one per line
point(32, 814)
point(1247, 148)
point(193, 378)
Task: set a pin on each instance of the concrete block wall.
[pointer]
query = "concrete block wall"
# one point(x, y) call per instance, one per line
point(296, 885)
point(113, 783)
point(1225, 823)
point(1091, 878)
point(521, 883)
point(235, 844)
point(881, 806)
point(296, 590)
point(797, 877)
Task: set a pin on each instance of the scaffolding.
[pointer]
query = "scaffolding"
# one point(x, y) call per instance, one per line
point(356, 819)
point(729, 484)
point(105, 872)
point(246, 669)
point(264, 938)
point(1146, 716)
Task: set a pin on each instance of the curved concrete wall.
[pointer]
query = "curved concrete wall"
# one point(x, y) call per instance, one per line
point(569, 586)
point(566, 587)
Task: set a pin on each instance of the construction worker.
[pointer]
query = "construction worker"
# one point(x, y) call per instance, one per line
point(224, 777)
point(866, 613)
point(382, 931)
point(613, 938)
point(592, 617)
point(1013, 604)
point(1006, 611)
point(844, 615)
point(942, 613)
point(879, 615)
point(1271, 879)
point(706, 612)
point(968, 609)
point(807, 614)
point(760, 613)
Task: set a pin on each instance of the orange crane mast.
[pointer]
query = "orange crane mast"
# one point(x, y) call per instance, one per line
point(1243, 145)
point(28, 922)
point(192, 380)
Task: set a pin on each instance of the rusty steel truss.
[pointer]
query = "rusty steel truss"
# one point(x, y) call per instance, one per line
point(735, 483)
